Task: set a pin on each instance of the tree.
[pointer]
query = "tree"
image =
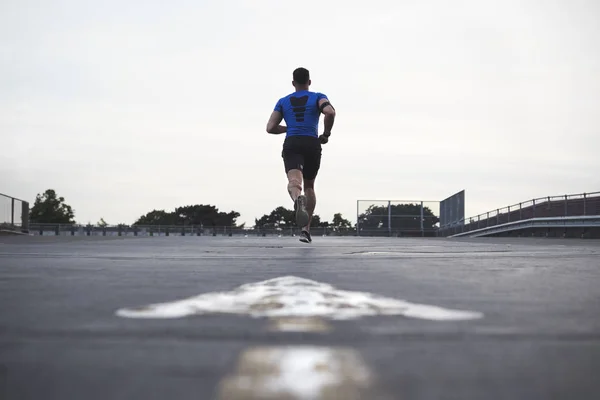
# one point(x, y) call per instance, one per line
point(199, 214)
point(339, 222)
point(317, 223)
point(405, 218)
point(157, 217)
point(280, 217)
point(50, 209)
point(205, 215)
point(285, 218)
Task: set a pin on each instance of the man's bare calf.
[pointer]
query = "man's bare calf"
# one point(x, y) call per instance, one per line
point(295, 191)
point(294, 183)
point(311, 201)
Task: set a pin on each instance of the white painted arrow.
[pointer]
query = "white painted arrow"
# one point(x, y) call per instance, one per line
point(290, 296)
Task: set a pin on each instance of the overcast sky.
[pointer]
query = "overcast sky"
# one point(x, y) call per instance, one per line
point(124, 107)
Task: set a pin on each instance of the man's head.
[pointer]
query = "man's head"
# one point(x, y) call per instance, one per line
point(301, 78)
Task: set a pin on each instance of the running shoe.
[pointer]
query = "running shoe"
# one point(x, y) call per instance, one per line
point(301, 213)
point(305, 236)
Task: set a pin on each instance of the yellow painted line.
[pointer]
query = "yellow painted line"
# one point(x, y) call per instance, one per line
point(299, 324)
point(299, 373)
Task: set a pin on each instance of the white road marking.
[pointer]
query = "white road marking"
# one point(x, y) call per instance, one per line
point(298, 373)
point(374, 253)
point(290, 296)
point(299, 324)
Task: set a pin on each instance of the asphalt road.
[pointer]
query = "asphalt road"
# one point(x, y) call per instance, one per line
point(61, 337)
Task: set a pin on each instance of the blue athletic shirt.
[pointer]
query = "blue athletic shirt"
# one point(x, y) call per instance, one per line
point(301, 113)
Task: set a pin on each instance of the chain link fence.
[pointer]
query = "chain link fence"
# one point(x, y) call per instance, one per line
point(14, 214)
point(397, 218)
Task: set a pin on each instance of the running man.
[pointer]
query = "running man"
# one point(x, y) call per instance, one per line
point(301, 153)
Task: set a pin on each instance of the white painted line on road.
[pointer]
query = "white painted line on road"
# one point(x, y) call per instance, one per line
point(374, 253)
point(299, 324)
point(290, 296)
point(298, 373)
point(411, 253)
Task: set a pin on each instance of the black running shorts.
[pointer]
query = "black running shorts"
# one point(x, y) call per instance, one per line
point(303, 153)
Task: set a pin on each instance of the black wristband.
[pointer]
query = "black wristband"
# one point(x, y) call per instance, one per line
point(326, 134)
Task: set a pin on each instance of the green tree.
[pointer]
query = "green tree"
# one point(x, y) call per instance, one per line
point(157, 217)
point(206, 215)
point(48, 208)
point(284, 218)
point(405, 218)
point(199, 214)
point(280, 217)
point(340, 222)
point(317, 223)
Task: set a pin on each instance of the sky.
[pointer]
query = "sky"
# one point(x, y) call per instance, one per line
point(127, 107)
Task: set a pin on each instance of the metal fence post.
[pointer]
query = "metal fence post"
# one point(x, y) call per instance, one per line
point(389, 218)
point(25, 217)
point(12, 212)
point(357, 219)
point(520, 211)
point(566, 209)
point(422, 217)
point(584, 204)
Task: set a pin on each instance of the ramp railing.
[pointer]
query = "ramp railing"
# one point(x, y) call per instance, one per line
point(570, 205)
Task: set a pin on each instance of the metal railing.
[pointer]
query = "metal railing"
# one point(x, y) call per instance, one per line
point(176, 230)
point(552, 226)
point(14, 214)
point(573, 205)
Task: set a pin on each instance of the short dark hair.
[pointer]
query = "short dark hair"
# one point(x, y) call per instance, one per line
point(301, 76)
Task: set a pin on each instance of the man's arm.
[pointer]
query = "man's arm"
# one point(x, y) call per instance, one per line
point(275, 119)
point(329, 112)
point(273, 124)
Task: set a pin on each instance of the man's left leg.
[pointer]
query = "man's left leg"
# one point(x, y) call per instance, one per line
point(300, 201)
point(311, 200)
point(312, 166)
point(294, 164)
point(294, 186)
